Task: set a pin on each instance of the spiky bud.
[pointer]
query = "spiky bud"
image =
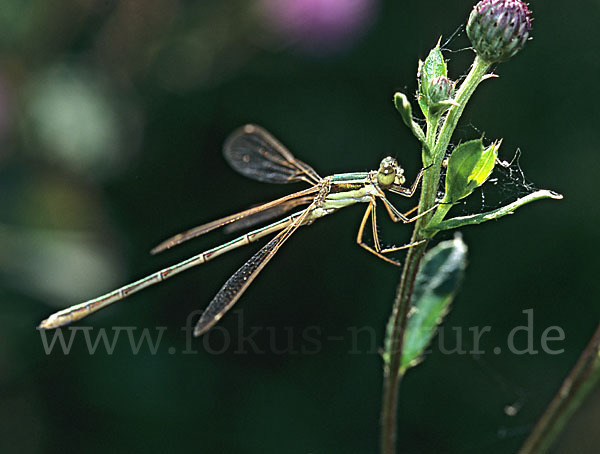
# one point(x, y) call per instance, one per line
point(440, 89)
point(498, 29)
point(439, 94)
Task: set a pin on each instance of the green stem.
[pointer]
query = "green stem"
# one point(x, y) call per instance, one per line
point(392, 375)
point(432, 176)
point(397, 323)
point(580, 381)
point(393, 353)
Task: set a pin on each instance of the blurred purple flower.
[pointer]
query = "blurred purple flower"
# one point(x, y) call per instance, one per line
point(320, 26)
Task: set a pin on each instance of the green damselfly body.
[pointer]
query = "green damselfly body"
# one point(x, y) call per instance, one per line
point(256, 154)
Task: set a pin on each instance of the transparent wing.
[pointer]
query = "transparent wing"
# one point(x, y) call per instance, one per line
point(237, 284)
point(247, 218)
point(256, 154)
point(263, 216)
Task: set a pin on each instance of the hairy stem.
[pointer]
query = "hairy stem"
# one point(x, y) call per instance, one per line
point(397, 324)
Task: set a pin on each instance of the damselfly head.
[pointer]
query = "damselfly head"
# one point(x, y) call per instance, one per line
point(389, 173)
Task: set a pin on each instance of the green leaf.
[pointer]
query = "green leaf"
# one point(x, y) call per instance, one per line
point(403, 106)
point(461, 165)
point(484, 167)
point(469, 166)
point(473, 219)
point(436, 285)
point(433, 66)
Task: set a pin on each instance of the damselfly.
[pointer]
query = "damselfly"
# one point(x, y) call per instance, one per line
point(256, 154)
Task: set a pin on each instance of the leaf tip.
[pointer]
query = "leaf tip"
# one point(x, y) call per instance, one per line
point(555, 195)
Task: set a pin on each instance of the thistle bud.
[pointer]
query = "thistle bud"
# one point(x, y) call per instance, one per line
point(498, 29)
point(439, 94)
point(440, 89)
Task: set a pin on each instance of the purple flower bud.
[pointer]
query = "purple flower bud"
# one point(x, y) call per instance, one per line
point(498, 29)
point(437, 95)
point(440, 89)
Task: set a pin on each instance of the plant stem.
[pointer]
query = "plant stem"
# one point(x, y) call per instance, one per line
point(393, 371)
point(580, 381)
point(391, 374)
point(432, 176)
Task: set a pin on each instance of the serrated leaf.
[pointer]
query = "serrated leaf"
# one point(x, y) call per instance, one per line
point(436, 285)
point(433, 66)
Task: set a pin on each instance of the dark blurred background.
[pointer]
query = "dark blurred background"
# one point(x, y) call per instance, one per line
point(112, 117)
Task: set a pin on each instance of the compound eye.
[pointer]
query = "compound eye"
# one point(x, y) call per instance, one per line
point(386, 175)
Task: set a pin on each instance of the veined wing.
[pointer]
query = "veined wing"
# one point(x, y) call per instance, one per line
point(237, 284)
point(256, 154)
point(267, 214)
point(250, 217)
